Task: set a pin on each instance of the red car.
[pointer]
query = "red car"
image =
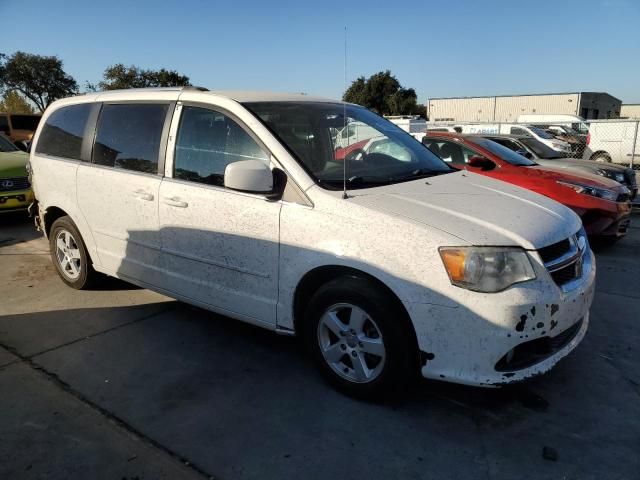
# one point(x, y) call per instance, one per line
point(603, 205)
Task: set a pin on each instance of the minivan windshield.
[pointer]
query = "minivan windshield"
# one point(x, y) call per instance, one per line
point(323, 136)
point(503, 152)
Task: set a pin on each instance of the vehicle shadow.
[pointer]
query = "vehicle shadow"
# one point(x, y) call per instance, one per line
point(12, 229)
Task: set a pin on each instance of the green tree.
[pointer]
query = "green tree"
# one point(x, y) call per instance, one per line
point(13, 102)
point(383, 93)
point(120, 77)
point(40, 79)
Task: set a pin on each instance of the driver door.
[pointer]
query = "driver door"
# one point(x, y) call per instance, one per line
point(220, 247)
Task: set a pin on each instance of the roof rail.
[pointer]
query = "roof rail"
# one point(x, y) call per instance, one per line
point(157, 89)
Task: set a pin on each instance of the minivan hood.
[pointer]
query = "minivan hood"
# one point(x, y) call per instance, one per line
point(476, 209)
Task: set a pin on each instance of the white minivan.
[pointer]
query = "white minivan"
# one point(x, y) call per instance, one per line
point(235, 202)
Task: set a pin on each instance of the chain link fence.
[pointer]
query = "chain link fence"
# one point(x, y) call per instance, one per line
point(615, 141)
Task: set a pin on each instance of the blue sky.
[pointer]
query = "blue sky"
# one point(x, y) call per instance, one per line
point(440, 48)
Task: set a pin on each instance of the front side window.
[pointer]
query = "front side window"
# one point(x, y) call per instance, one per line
point(62, 134)
point(323, 136)
point(129, 135)
point(449, 151)
point(207, 142)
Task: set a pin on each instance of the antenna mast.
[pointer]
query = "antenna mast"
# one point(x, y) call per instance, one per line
point(344, 114)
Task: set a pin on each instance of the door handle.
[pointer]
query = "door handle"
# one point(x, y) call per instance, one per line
point(175, 202)
point(142, 195)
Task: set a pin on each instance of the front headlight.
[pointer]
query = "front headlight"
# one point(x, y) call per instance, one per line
point(617, 176)
point(592, 191)
point(486, 269)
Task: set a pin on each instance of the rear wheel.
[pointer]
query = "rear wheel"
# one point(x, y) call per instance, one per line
point(602, 158)
point(360, 339)
point(69, 254)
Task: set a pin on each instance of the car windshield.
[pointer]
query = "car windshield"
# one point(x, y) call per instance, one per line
point(541, 133)
point(6, 145)
point(25, 122)
point(375, 150)
point(503, 152)
point(540, 149)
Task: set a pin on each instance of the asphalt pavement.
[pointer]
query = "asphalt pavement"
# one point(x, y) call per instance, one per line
point(123, 383)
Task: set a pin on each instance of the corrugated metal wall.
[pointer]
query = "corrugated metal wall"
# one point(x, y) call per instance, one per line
point(508, 108)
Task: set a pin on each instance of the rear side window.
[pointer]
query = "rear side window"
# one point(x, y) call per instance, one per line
point(129, 135)
point(207, 142)
point(62, 134)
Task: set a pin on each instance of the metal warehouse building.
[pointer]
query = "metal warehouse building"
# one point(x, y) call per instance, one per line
point(506, 108)
point(630, 110)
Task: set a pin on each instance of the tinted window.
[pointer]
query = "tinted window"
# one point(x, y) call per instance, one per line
point(541, 133)
point(503, 152)
point(62, 135)
point(207, 142)
point(25, 122)
point(128, 136)
point(6, 145)
point(518, 131)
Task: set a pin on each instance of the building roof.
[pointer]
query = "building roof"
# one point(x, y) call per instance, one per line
point(523, 95)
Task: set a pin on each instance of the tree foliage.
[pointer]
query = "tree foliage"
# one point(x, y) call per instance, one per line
point(13, 102)
point(120, 77)
point(40, 79)
point(382, 93)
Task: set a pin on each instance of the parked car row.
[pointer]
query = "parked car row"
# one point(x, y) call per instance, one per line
point(614, 141)
point(15, 189)
point(384, 258)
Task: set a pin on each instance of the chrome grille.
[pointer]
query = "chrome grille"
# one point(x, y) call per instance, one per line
point(13, 184)
point(564, 259)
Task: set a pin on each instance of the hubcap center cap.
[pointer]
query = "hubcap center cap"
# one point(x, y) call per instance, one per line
point(352, 340)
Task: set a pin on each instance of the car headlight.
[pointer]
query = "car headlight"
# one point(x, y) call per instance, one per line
point(592, 191)
point(486, 269)
point(617, 176)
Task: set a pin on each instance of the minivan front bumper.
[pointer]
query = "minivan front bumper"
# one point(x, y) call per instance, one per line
point(499, 338)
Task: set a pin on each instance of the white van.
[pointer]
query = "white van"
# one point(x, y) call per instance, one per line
point(612, 141)
point(234, 202)
point(576, 122)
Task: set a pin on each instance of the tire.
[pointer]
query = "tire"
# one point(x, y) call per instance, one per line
point(370, 352)
point(69, 255)
point(602, 158)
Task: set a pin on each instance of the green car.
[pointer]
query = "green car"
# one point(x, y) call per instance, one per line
point(15, 189)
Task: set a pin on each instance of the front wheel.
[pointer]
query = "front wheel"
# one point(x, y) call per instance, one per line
point(360, 339)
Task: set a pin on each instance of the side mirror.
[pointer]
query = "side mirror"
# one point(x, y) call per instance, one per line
point(252, 176)
point(478, 161)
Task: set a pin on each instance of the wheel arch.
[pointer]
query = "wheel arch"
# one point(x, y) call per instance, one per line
point(598, 153)
point(315, 278)
point(51, 214)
